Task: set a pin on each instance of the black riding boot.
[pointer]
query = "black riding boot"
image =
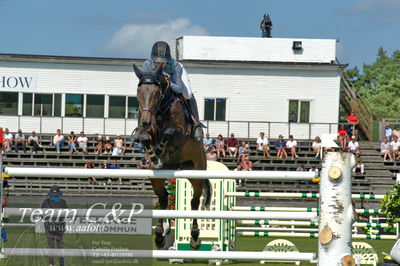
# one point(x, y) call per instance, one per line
point(198, 130)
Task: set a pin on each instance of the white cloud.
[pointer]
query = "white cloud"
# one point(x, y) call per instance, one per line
point(135, 40)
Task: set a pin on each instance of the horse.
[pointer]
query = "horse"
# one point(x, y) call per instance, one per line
point(165, 133)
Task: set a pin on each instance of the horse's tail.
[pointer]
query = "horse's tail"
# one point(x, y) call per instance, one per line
point(207, 193)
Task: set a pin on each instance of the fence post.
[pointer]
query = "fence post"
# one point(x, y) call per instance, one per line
point(248, 130)
point(336, 212)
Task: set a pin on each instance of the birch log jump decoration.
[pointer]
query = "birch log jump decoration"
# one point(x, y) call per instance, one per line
point(336, 210)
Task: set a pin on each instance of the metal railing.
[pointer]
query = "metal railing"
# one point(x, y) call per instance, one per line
point(114, 126)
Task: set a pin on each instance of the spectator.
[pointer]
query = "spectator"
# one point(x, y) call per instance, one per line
point(20, 141)
point(280, 146)
point(353, 146)
point(342, 133)
point(90, 165)
point(353, 120)
point(119, 148)
point(72, 142)
point(136, 145)
point(144, 163)
point(359, 168)
point(54, 225)
point(243, 150)
point(108, 146)
point(33, 141)
point(396, 132)
point(314, 169)
point(58, 141)
point(7, 140)
point(100, 145)
point(300, 167)
point(317, 147)
point(388, 132)
point(105, 165)
point(211, 155)
point(82, 142)
point(385, 149)
point(1, 140)
point(262, 144)
point(247, 165)
point(220, 146)
point(115, 165)
point(207, 142)
point(394, 147)
point(291, 145)
point(232, 146)
point(238, 167)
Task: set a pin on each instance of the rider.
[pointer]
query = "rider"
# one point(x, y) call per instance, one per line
point(177, 78)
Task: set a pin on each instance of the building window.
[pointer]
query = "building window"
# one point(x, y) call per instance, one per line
point(27, 99)
point(215, 109)
point(57, 105)
point(8, 103)
point(299, 111)
point(43, 105)
point(133, 108)
point(74, 105)
point(116, 107)
point(95, 106)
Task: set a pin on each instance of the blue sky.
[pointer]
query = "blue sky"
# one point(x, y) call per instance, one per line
point(127, 28)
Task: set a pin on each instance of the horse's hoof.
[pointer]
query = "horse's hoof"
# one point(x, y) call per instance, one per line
point(157, 164)
point(195, 244)
point(159, 241)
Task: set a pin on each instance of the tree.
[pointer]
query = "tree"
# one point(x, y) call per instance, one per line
point(379, 84)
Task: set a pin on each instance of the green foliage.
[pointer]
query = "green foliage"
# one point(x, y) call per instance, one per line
point(391, 205)
point(379, 84)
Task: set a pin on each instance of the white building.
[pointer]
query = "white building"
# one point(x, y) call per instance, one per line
point(278, 86)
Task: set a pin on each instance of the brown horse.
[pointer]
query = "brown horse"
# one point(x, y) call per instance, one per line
point(165, 133)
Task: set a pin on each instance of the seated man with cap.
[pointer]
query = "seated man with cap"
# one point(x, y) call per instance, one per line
point(54, 226)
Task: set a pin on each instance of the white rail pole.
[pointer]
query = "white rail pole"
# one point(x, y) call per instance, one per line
point(311, 235)
point(170, 214)
point(294, 195)
point(296, 209)
point(169, 174)
point(336, 213)
point(307, 223)
point(158, 254)
point(272, 229)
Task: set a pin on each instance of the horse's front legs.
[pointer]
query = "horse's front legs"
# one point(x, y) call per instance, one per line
point(162, 194)
point(144, 138)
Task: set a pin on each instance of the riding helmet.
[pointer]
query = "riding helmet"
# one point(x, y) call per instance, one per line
point(161, 52)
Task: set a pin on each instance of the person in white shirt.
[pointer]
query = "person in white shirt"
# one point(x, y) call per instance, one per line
point(291, 145)
point(262, 145)
point(82, 142)
point(58, 141)
point(353, 146)
point(385, 149)
point(317, 147)
point(394, 148)
point(7, 140)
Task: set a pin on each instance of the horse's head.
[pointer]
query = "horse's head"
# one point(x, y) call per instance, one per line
point(150, 93)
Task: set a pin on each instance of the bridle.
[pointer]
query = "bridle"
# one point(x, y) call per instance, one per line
point(160, 107)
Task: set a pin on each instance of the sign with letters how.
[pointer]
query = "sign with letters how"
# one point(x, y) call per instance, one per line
point(17, 82)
